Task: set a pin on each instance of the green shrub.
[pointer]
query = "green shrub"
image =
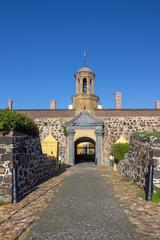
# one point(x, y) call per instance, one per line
point(119, 150)
point(148, 134)
point(65, 131)
point(13, 121)
point(156, 195)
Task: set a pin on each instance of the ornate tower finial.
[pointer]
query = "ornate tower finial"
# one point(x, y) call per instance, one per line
point(84, 58)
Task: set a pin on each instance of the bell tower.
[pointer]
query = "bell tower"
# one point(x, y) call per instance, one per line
point(85, 98)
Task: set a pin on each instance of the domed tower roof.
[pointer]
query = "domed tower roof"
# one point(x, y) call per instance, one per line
point(85, 69)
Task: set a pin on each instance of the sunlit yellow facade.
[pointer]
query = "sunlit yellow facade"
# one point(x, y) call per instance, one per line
point(50, 146)
point(121, 140)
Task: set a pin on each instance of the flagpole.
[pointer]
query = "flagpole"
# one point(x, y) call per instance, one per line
point(84, 58)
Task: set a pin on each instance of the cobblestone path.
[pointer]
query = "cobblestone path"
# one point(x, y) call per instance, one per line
point(83, 208)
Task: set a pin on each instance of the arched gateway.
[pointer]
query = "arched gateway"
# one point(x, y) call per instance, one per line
point(84, 128)
point(84, 150)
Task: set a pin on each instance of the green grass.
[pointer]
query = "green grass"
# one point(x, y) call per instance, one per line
point(4, 200)
point(141, 194)
point(155, 196)
point(2, 203)
point(148, 134)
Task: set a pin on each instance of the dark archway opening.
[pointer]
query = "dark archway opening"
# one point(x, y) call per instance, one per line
point(84, 150)
point(84, 85)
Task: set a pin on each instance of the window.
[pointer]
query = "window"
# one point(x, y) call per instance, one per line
point(78, 85)
point(84, 85)
point(91, 86)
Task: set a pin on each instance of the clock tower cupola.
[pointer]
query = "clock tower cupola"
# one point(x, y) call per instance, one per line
point(85, 98)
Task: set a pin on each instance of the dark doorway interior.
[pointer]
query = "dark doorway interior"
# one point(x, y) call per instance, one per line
point(84, 150)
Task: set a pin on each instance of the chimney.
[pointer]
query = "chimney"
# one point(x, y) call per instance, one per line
point(157, 104)
point(52, 104)
point(10, 103)
point(118, 100)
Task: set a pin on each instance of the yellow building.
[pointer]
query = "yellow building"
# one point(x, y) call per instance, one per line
point(50, 147)
point(121, 140)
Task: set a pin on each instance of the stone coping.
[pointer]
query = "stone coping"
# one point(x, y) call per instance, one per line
point(127, 113)
point(66, 113)
point(47, 113)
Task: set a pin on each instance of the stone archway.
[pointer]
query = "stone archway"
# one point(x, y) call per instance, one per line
point(84, 150)
point(85, 121)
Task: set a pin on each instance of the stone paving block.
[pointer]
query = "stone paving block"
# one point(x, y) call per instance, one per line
point(83, 208)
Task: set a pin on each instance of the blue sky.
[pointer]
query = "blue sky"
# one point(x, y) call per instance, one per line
point(42, 44)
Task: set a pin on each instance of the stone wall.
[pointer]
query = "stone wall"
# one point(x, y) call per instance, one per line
point(114, 127)
point(24, 153)
point(6, 164)
point(143, 151)
point(55, 126)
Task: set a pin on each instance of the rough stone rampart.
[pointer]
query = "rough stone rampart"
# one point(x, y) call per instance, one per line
point(56, 127)
point(114, 127)
point(24, 153)
point(6, 163)
point(143, 151)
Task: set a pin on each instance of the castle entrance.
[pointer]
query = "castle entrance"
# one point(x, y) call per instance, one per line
point(81, 147)
point(84, 150)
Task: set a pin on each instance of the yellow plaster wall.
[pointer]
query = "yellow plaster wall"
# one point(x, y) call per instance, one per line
point(50, 146)
point(84, 133)
point(121, 140)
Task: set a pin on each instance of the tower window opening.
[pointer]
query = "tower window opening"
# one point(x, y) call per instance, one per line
point(91, 86)
point(78, 85)
point(84, 85)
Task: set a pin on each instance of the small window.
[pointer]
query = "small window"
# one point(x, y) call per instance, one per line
point(84, 85)
point(91, 86)
point(78, 85)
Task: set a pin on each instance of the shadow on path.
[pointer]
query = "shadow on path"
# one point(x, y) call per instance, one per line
point(83, 208)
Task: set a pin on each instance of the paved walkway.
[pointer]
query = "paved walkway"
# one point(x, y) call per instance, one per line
point(83, 208)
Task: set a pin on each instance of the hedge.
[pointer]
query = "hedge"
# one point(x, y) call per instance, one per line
point(148, 134)
point(119, 150)
point(13, 121)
